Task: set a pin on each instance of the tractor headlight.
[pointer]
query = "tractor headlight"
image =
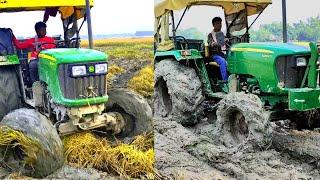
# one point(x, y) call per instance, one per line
point(79, 70)
point(101, 68)
point(301, 61)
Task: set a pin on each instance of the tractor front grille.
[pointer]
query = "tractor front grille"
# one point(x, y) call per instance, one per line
point(81, 87)
point(288, 72)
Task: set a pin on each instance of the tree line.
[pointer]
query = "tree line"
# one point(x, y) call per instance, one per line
point(301, 31)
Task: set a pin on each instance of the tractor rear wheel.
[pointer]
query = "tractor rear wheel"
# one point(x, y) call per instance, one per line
point(134, 109)
point(10, 94)
point(30, 144)
point(241, 118)
point(177, 92)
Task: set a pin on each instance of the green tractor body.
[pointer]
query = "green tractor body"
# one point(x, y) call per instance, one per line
point(281, 73)
point(55, 70)
point(72, 86)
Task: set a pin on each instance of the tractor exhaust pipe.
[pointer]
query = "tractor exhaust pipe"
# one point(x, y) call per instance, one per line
point(284, 21)
point(88, 14)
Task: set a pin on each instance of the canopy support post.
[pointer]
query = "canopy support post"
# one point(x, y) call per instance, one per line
point(284, 21)
point(88, 14)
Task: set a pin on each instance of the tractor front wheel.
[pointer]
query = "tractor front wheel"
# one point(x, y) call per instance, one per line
point(134, 109)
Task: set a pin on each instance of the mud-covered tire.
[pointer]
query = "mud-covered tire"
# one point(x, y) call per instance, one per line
point(49, 157)
point(241, 118)
point(134, 109)
point(10, 94)
point(177, 92)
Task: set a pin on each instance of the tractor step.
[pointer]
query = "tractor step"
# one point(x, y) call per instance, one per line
point(30, 102)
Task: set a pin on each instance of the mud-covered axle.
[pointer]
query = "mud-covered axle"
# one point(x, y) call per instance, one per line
point(88, 118)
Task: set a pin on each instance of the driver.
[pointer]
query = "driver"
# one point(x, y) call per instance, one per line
point(216, 42)
point(39, 42)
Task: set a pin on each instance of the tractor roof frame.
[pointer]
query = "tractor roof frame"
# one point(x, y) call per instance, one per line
point(231, 7)
point(63, 6)
point(26, 5)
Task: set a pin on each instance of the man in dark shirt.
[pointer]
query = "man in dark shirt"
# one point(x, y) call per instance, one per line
point(38, 43)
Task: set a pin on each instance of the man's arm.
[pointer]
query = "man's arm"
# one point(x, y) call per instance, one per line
point(22, 45)
point(211, 42)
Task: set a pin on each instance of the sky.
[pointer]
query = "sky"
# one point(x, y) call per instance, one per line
point(200, 16)
point(128, 16)
point(108, 17)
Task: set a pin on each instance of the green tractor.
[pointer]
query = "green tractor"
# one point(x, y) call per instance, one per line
point(71, 95)
point(267, 81)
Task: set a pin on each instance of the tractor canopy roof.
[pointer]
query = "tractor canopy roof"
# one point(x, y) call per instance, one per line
point(65, 7)
point(229, 6)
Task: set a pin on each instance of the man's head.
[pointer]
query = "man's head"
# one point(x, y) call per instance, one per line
point(217, 23)
point(41, 29)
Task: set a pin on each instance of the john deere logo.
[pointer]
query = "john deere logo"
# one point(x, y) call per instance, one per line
point(91, 69)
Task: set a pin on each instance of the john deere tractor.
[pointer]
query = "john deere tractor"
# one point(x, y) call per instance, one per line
point(71, 95)
point(279, 79)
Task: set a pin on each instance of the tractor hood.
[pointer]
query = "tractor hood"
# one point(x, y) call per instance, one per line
point(229, 6)
point(73, 55)
point(274, 49)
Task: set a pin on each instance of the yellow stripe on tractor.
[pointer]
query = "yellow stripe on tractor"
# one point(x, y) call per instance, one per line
point(44, 56)
point(252, 50)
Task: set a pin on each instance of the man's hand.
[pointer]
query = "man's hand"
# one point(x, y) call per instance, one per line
point(214, 44)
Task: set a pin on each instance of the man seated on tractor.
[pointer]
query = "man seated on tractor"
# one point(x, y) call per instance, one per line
point(38, 43)
point(216, 42)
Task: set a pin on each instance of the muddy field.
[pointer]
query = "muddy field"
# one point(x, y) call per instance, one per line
point(198, 152)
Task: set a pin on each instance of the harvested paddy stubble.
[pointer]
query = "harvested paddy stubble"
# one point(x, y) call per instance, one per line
point(143, 82)
point(133, 160)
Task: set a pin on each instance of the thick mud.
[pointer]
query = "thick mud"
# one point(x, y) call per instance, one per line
point(173, 159)
point(202, 152)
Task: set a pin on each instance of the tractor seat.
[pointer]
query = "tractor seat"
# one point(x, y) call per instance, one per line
point(213, 64)
point(6, 45)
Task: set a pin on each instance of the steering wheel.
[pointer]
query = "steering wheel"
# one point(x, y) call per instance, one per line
point(233, 39)
point(76, 39)
point(181, 37)
point(238, 38)
point(41, 44)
